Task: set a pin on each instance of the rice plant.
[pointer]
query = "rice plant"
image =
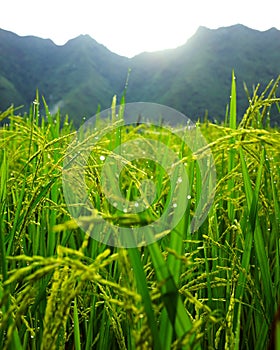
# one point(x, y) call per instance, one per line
point(215, 288)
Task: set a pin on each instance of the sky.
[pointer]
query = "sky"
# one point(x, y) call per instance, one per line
point(131, 27)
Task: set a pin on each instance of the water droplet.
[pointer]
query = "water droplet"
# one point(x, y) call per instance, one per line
point(179, 180)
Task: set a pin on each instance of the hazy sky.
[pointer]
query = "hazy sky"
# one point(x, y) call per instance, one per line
point(130, 27)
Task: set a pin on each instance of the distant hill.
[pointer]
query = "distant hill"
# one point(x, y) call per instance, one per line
point(82, 74)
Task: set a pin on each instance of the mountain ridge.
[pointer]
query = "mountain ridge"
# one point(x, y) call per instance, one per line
point(82, 74)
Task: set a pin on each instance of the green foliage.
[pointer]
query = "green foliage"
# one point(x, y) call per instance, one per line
point(216, 288)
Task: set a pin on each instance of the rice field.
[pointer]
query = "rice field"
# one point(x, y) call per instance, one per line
point(215, 288)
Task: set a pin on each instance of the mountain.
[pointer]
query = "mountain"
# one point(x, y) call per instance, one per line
point(76, 77)
point(197, 76)
point(82, 74)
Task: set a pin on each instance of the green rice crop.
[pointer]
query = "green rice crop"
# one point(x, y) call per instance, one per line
point(216, 288)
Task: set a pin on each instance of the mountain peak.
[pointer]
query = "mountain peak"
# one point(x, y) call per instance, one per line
point(83, 74)
point(84, 37)
point(233, 28)
point(81, 39)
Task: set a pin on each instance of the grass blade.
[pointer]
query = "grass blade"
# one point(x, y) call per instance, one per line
point(76, 327)
point(143, 289)
point(175, 308)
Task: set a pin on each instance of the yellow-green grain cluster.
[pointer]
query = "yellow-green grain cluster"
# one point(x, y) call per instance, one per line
point(216, 288)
